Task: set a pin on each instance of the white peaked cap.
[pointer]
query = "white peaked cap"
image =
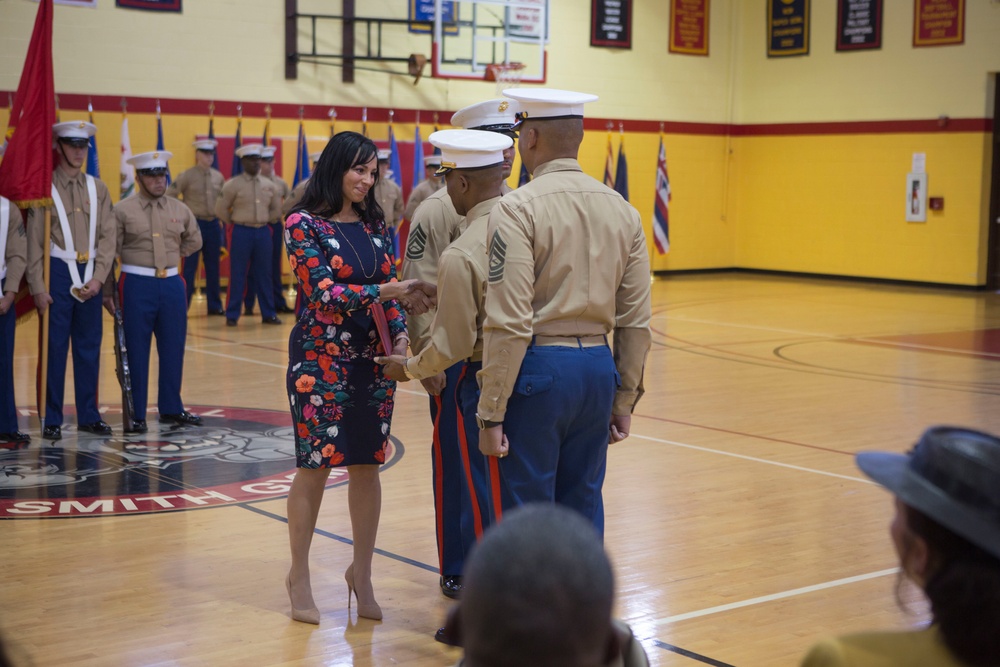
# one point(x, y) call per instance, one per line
point(492, 114)
point(432, 160)
point(314, 157)
point(152, 160)
point(74, 129)
point(206, 144)
point(384, 154)
point(469, 149)
point(268, 151)
point(250, 150)
point(538, 103)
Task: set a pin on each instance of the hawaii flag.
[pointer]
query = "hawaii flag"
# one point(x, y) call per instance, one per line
point(661, 212)
point(127, 174)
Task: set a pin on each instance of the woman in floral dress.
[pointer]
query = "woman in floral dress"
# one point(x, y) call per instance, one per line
point(341, 402)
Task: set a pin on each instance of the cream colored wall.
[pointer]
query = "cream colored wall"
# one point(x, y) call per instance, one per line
point(896, 82)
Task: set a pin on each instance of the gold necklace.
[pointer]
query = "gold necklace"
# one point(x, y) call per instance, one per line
point(356, 254)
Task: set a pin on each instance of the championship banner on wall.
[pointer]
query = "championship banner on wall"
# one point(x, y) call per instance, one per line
point(787, 28)
point(859, 25)
point(938, 22)
point(151, 5)
point(75, 3)
point(421, 17)
point(689, 27)
point(611, 23)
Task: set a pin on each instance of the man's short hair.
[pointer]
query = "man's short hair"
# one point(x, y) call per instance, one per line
point(538, 590)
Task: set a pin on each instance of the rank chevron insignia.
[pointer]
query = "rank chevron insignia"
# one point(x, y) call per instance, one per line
point(498, 255)
point(417, 243)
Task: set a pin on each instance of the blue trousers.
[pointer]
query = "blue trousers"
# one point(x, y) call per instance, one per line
point(8, 408)
point(557, 423)
point(447, 477)
point(477, 514)
point(83, 324)
point(154, 306)
point(249, 253)
point(277, 257)
point(211, 247)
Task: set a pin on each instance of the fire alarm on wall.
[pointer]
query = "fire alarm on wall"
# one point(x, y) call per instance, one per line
point(935, 203)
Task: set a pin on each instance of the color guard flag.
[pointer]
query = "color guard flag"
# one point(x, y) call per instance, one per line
point(418, 158)
point(661, 213)
point(524, 176)
point(609, 179)
point(159, 136)
point(127, 174)
point(621, 172)
point(394, 165)
point(301, 157)
point(266, 139)
point(93, 166)
point(26, 170)
point(211, 135)
point(237, 164)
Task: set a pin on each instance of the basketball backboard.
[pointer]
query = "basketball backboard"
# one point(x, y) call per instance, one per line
point(470, 35)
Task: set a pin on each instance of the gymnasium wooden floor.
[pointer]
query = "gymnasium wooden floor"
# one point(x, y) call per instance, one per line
point(738, 525)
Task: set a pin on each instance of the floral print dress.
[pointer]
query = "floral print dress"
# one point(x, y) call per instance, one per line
point(341, 401)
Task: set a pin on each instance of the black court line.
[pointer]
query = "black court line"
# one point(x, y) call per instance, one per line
point(347, 540)
point(691, 654)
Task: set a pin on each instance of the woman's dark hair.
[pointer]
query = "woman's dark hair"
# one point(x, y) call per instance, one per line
point(324, 196)
point(964, 591)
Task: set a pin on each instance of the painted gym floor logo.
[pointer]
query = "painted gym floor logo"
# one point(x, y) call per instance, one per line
point(238, 455)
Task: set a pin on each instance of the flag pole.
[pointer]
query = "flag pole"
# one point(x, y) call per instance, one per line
point(44, 319)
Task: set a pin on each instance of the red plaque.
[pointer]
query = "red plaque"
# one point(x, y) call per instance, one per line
point(938, 22)
point(689, 27)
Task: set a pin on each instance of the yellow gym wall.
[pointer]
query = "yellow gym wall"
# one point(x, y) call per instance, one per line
point(744, 196)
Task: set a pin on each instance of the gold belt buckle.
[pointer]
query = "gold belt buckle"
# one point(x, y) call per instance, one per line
point(82, 257)
point(161, 273)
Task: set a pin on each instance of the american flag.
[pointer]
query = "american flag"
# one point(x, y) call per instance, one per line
point(661, 212)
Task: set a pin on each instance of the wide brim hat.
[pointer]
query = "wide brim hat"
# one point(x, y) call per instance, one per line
point(952, 475)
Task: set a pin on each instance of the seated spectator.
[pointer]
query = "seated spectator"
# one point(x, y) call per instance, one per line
point(539, 591)
point(947, 535)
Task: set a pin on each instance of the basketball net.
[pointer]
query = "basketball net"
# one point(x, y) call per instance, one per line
point(506, 75)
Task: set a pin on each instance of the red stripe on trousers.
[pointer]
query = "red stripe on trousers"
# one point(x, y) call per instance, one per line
point(438, 484)
point(463, 445)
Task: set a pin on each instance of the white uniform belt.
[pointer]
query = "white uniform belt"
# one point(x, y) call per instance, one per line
point(149, 272)
point(66, 255)
point(571, 341)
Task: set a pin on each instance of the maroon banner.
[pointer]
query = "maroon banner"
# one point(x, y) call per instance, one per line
point(689, 27)
point(859, 24)
point(26, 169)
point(938, 22)
point(151, 5)
point(611, 23)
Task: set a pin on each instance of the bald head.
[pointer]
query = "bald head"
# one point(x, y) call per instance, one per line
point(543, 140)
point(538, 590)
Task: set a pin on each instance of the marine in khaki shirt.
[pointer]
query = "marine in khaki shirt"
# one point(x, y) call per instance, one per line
point(13, 253)
point(426, 187)
point(249, 200)
point(155, 232)
point(13, 260)
point(200, 186)
point(387, 193)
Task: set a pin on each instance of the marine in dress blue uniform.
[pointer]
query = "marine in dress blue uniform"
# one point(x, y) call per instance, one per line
point(200, 187)
point(568, 266)
point(13, 261)
point(82, 249)
point(154, 232)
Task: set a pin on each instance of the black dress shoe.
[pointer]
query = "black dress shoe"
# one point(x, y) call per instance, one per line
point(52, 433)
point(184, 418)
point(442, 636)
point(248, 311)
point(451, 586)
point(138, 426)
point(216, 312)
point(97, 428)
point(230, 322)
point(283, 308)
point(15, 437)
point(271, 320)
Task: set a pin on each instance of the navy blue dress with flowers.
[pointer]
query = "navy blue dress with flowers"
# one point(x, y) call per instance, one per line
point(341, 401)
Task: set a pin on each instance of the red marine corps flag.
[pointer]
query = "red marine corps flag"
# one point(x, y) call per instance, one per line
point(26, 170)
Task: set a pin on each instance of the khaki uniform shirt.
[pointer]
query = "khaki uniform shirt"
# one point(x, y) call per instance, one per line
point(73, 192)
point(199, 189)
point(457, 330)
point(15, 251)
point(295, 197)
point(424, 189)
point(155, 233)
point(390, 198)
point(248, 200)
point(567, 258)
point(434, 225)
point(283, 192)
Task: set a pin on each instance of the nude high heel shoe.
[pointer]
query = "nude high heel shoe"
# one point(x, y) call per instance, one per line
point(368, 609)
point(301, 615)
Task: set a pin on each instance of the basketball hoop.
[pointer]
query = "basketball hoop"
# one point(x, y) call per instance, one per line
point(506, 75)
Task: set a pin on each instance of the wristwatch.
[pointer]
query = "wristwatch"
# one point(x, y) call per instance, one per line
point(484, 423)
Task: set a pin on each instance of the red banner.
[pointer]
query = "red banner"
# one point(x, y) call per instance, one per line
point(689, 27)
point(938, 22)
point(26, 169)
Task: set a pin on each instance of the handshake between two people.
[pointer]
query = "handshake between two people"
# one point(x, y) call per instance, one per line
point(416, 296)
